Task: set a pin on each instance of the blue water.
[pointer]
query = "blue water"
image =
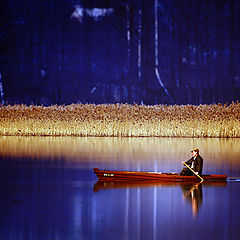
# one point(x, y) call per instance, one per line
point(48, 195)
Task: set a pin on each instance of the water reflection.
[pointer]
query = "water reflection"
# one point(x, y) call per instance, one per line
point(49, 191)
point(161, 209)
point(193, 194)
point(157, 154)
point(71, 211)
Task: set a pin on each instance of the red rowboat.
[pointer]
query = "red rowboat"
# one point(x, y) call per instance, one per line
point(106, 175)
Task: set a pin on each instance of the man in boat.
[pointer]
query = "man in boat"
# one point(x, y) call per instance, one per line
point(195, 162)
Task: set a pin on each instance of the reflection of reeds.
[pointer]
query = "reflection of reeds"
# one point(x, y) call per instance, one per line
point(122, 120)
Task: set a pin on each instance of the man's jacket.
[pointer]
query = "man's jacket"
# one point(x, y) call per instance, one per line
point(197, 164)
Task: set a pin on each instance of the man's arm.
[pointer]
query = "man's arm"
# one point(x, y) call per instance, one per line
point(188, 162)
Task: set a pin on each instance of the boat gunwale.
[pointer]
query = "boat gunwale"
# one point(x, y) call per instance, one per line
point(132, 175)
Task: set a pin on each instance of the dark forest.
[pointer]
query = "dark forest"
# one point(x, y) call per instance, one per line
point(127, 51)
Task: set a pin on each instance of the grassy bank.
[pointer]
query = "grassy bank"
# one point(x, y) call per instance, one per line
point(122, 120)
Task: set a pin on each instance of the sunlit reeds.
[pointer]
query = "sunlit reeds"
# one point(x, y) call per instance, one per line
point(121, 120)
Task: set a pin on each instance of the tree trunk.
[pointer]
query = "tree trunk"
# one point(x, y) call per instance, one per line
point(156, 53)
point(232, 50)
point(140, 46)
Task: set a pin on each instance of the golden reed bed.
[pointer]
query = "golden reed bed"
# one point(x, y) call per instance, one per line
point(121, 120)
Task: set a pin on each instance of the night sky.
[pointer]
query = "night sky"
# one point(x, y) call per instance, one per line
point(126, 51)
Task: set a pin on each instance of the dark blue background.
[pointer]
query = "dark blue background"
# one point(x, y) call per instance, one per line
point(48, 56)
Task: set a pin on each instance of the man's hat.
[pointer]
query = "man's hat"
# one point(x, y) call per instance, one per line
point(195, 150)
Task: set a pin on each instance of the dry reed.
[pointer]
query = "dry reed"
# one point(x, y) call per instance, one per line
point(121, 120)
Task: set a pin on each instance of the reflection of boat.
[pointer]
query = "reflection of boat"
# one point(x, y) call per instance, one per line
point(155, 183)
point(106, 175)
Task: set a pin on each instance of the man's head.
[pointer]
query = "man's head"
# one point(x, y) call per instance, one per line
point(195, 152)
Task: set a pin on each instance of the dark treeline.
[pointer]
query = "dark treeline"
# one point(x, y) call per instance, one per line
point(142, 51)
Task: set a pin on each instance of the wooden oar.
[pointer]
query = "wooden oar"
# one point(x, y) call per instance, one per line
point(194, 172)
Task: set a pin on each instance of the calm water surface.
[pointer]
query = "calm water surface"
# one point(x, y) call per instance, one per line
point(48, 189)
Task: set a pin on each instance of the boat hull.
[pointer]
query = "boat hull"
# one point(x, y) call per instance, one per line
point(106, 175)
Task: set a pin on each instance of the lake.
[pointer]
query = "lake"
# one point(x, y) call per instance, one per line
point(49, 191)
